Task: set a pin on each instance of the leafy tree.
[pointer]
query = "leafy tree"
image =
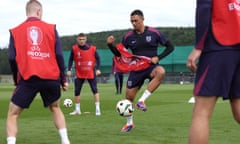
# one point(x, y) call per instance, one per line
point(4, 65)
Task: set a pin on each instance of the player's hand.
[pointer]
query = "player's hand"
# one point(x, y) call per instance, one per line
point(154, 60)
point(98, 72)
point(69, 73)
point(110, 39)
point(65, 86)
point(64, 82)
point(192, 59)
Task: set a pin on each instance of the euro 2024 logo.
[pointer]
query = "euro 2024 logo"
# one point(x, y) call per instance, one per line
point(35, 37)
point(234, 6)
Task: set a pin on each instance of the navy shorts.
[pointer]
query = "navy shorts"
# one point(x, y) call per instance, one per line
point(218, 74)
point(27, 90)
point(79, 83)
point(137, 78)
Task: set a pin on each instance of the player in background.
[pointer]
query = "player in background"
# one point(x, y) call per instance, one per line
point(37, 63)
point(118, 78)
point(86, 58)
point(217, 52)
point(143, 41)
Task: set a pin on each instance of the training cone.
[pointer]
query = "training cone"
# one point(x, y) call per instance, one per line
point(191, 100)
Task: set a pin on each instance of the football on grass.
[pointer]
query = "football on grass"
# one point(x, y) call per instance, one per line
point(67, 103)
point(124, 107)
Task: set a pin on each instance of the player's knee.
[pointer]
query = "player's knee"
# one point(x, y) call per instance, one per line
point(160, 72)
point(54, 106)
point(130, 95)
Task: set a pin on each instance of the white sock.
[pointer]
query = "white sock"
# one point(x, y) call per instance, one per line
point(64, 136)
point(97, 104)
point(129, 120)
point(11, 140)
point(145, 95)
point(77, 107)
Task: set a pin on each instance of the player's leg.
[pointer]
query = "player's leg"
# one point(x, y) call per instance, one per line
point(235, 91)
point(130, 95)
point(200, 125)
point(204, 105)
point(235, 97)
point(235, 105)
point(11, 124)
point(97, 104)
point(133, 84)
point(21, 99)
point(77, 110)
point(120, 82)
point(156, 74)
point(116, 76)
point(96, 95)
point(211, 79)
point(59, 121)
point(50, 92)
point(225, 85)
point(78, 83)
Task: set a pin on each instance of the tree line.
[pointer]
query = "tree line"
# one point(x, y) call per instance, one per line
point(179, 36)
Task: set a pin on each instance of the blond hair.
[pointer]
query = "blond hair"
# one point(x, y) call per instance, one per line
point(32, 6)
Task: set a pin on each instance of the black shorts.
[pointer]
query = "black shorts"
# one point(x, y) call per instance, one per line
point(137, 78)
point(78, 82)
point(218, 74)
point(27, 90)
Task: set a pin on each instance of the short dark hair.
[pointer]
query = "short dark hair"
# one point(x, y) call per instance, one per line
point(137, 12)
point(81, 35)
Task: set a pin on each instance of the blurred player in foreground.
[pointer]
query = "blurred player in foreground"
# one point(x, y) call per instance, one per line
point(217, 51)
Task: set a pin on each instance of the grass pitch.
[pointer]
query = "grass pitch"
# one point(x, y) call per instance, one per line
point(166, 121)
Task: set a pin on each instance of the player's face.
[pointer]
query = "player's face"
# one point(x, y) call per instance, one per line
point(81, 40)
point(137, 22)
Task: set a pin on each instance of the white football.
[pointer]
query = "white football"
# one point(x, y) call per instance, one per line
point(67, 103)
point(124, 107)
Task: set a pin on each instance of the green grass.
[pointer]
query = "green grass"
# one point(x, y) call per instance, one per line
point(166, 121)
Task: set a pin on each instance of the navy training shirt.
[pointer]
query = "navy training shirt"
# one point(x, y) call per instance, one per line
point(144, 44)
